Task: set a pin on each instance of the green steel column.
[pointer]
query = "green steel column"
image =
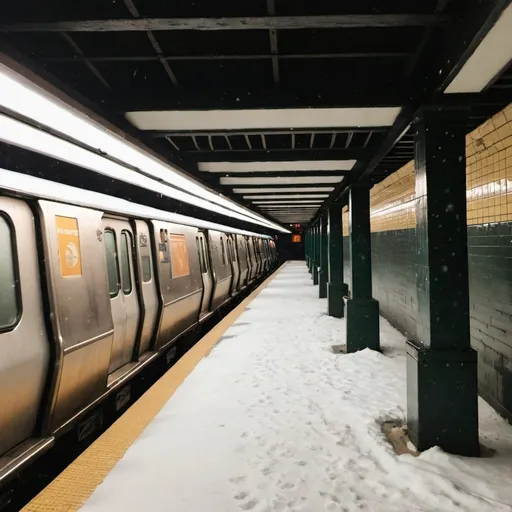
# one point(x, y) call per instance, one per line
point(362, 308)
point(310, 246)
point(442, 394)
point(316, 255)
point(323, 265)
point(336, 288)
point(312, 250)
point(306, 241)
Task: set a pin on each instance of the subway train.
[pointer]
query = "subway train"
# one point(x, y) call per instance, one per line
point(92, 289)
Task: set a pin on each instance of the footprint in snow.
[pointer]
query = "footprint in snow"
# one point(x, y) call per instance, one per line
point(249, 505)
point(237, 479)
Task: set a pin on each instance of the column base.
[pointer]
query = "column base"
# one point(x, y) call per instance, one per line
point(315, 274)
point(335, 301)
point(442, 399)
point(362, 325)
point(322, 284)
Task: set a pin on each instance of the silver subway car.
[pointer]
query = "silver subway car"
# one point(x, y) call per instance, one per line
point(92, 289)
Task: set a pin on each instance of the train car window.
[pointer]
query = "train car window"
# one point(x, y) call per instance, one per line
point(228, 249)
point(146, 268)
point(163, 249)
point(179, 256)
point(112, 263)
point(205, 257)
point(228, 244)
point(202, 264)
point(9, 284)
point(222, 251)
point(126, 243)
point(233, 251)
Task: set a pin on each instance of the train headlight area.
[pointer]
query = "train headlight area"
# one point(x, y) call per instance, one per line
point(49, 126)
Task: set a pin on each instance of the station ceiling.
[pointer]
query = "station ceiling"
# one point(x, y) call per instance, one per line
point(278, 104)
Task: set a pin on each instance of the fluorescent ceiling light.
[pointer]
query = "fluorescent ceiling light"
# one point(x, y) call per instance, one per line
point(25, 136)
point(491, 56)
point(23, 97)
point(263, 118)
point(279, 206)
point(290, 196)
point(296, 180)
point(281, 190)
point(300, 165)
point(298, 201)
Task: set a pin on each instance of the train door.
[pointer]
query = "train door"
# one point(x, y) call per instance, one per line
point(235, 266)
point(147, 285)
point(124, 301)
point(267, 254)
point(24, 346)
point(204, 265)
point(257, 255)
point(251, 260)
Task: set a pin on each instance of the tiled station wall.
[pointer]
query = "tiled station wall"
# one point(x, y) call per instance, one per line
point(489, 195)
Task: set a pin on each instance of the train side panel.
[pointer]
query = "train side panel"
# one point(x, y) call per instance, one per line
point(222, 273)
point(257, 255)
point(180, 279)
point(251, 259)
point(150, 298)
point(241, 248)
point(235, 265)
point(24, 345)
point(80, 307)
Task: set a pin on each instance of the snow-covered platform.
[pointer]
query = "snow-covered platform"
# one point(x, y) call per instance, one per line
point(273, 420)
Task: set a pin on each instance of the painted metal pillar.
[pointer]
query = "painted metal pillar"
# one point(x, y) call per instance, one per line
point(316, 253)
point(306, 247)
point(336, 288)
point(362, 309)
point(323, 266)
point(310, 250)
point(442, 390)
point(305, 235)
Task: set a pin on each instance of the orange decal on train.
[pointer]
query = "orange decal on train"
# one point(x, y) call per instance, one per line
point(179, 256)
point(68, 238)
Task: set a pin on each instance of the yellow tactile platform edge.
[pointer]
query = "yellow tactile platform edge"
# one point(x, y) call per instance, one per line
point(70, 490)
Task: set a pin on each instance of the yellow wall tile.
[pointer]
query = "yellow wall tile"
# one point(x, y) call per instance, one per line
point(488, 175)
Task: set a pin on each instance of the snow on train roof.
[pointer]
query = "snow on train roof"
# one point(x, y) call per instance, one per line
point(54, 191)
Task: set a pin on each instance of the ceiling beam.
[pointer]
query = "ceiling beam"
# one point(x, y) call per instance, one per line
point(277, 155)
point(261, 56)
point(232, 23)
point(92, 68)
point(350, 94)
point(130, 5)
